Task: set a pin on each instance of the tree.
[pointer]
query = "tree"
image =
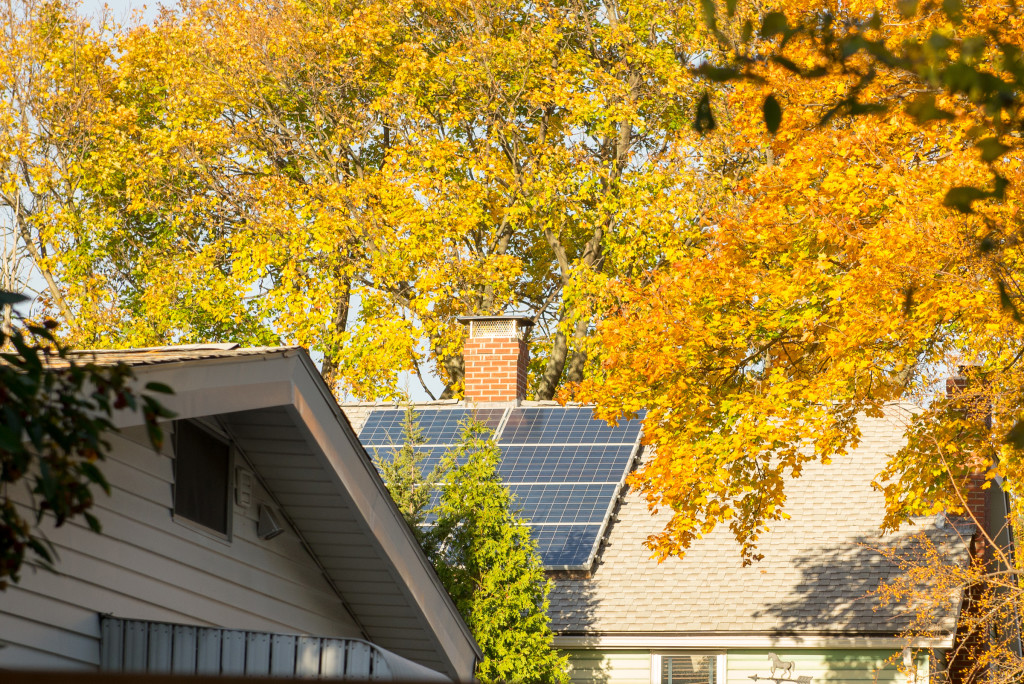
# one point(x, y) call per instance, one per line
point(482, 552)
point(56, 77)
point(353, 176)
point(410, 485)
point(838, 273)
point(54, 414)
point(486, 559)
point(869, 250)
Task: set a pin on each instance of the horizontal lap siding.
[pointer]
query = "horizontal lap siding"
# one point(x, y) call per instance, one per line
point(821, 665)
point(147, 566)
point(613, 667)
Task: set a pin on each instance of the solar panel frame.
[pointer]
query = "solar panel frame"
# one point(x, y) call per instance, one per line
point(586, 502)
point(532, 463)
point(439, 426)
point(432, 455)
point(538, 425)
point(561, 546)
point(574, 433)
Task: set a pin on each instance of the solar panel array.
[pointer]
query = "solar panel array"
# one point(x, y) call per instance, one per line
point(563, 467)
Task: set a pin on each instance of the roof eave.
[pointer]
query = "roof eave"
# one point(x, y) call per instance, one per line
point(235, 382)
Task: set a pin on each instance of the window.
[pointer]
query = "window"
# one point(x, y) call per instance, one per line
point(202, 472)
point(689, 669)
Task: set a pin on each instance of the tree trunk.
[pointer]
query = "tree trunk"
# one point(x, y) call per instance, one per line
point(553, 370)
point(574, 373)
point(456, 367)
point(329, 369)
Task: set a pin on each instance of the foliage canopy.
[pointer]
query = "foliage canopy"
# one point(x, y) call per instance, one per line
point(349, 176)
point(868, 248)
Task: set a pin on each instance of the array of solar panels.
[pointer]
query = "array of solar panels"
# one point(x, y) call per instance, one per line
point(564, 467)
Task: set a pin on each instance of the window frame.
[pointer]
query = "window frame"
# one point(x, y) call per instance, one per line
point(212, 429)
point(720, 661)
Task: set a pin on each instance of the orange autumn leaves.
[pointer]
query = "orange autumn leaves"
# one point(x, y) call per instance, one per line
point(829, 279)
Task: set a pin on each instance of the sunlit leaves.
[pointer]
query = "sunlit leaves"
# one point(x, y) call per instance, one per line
point(866, 249)
point(352, 177)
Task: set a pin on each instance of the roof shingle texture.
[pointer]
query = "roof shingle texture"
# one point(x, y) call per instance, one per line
point(817, 575)
point(154, 355)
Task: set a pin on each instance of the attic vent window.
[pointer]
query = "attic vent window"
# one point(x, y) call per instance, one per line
point(202, 475)
point(493, 328)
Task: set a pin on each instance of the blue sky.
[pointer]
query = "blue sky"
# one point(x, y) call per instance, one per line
point(122, 9)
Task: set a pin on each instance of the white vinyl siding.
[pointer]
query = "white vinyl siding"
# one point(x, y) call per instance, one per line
point(742, 666)
point(826, 665)
point(618, 667)
point(146, 566)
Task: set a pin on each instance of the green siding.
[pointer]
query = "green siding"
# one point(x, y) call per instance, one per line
point(822, 665)
point(611, 667)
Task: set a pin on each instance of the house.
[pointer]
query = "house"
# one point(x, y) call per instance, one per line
point(259, 541)
point(803, 614)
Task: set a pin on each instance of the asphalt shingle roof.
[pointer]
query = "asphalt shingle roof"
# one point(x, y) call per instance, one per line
point(817, 575)
point(153, 355)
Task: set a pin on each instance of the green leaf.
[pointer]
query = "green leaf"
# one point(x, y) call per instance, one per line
point(939, 42)
point(907, 8)
point(774, 24)
point(730, 7)
point(961, 197)
point(748, 31)
point(43, 551)
point(772, 114)
point(1015, 436)
point(704, 120)
point(787, 64)
point(7, 297)
point(1006, 302)
point(923, 109)
point(973, 47)
point(709, 14)
point(10, 440)
point(954, 9)
point(720, 74)
point(991, 149)
point(908, 299)
point(93, 474)
point(159, 387)
point(94, 524)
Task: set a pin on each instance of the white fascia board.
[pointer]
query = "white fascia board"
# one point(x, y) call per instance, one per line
point(712, 641)
point(206, 387)
point(353, 467)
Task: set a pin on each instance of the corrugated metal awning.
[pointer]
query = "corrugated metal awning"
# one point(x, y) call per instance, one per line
point(162, 647)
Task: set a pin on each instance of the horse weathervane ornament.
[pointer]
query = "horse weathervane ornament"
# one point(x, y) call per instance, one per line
point(782, 671)
point(779, 664)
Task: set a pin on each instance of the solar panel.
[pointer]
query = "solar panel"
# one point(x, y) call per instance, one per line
point(563, 503)
point(565, 425)
point(564, 463)
point(384, 427)
point(566, 546)
point(431, 455)
point(563, 466)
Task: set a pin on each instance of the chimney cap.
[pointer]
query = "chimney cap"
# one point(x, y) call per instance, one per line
point(521, 320)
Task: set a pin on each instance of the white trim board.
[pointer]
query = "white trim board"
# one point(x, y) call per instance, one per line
point(743, 641)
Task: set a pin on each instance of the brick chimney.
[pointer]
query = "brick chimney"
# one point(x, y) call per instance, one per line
point(979, 496)
point(495, 358)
